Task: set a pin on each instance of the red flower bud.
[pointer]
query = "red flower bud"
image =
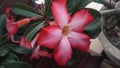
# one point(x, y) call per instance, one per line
point(22, 22)
point(25, 43)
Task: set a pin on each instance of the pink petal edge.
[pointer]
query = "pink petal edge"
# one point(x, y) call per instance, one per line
point(79, 41)
point(25, 43)
point(11, 28)
point(63, 2)
point(60, 13)
point(80, 20)
point(63, 53)
point(49, 37)
point(35, 53)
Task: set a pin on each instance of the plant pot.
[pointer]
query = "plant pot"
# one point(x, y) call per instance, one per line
point(109, 36)
point(112, 52)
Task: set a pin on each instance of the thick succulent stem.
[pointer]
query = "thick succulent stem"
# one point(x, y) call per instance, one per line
point(110, 12)
point(109, 3)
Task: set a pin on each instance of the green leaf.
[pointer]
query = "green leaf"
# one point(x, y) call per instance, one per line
point(18, 49)
point(47, 8)
point(72, 61)
point(2, 22)
point(8, 58)
point(33, 29)
point(3, 51)
point(25, 10)
point(75, 55)
point(11, 57)
point(16, 64)
point(97, 1)
point(74, 5)
point(2, 18)
point(71, 4)
point(2, 67)
point(94, 28)
point(83, 3)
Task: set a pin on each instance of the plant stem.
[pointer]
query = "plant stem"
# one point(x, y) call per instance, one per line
point(110, 11)
point(110, 4)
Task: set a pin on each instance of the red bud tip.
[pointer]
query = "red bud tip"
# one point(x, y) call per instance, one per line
point(22, 22)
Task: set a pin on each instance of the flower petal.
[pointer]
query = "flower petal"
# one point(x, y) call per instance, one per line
point(22, 22)
point(11, 28)
point(80, 20)
point(7, 10)
point(13, 40)
point(79, 41)
point(25, 43)
point(63, 52)
point(60, 12)
point(34, 40)
point(49, 36)
point(35, 53)
point(44, 53)
point(62, 2)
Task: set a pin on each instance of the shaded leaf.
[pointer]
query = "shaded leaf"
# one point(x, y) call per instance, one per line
point(16, 64)
point(3, 51)
point(74, 58)
point(18, 49)
point(83, 3)
point(33, 29)
point(2, 22)
point(8, 58)
point(2, 67)
point(12, 57)
point(25, 10)
point(96, 0)
point(94, 28)
point(74, 5)
point(47, 7)
point(2, 18)
point(71, 4)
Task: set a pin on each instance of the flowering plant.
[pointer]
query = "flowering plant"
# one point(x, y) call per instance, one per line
point(56, 29)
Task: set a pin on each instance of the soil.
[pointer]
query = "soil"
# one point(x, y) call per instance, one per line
point(112, 30)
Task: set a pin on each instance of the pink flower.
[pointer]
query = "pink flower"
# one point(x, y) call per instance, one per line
point(36, 53)
point(67, 34)
point(25, 43)
point(12, 28)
